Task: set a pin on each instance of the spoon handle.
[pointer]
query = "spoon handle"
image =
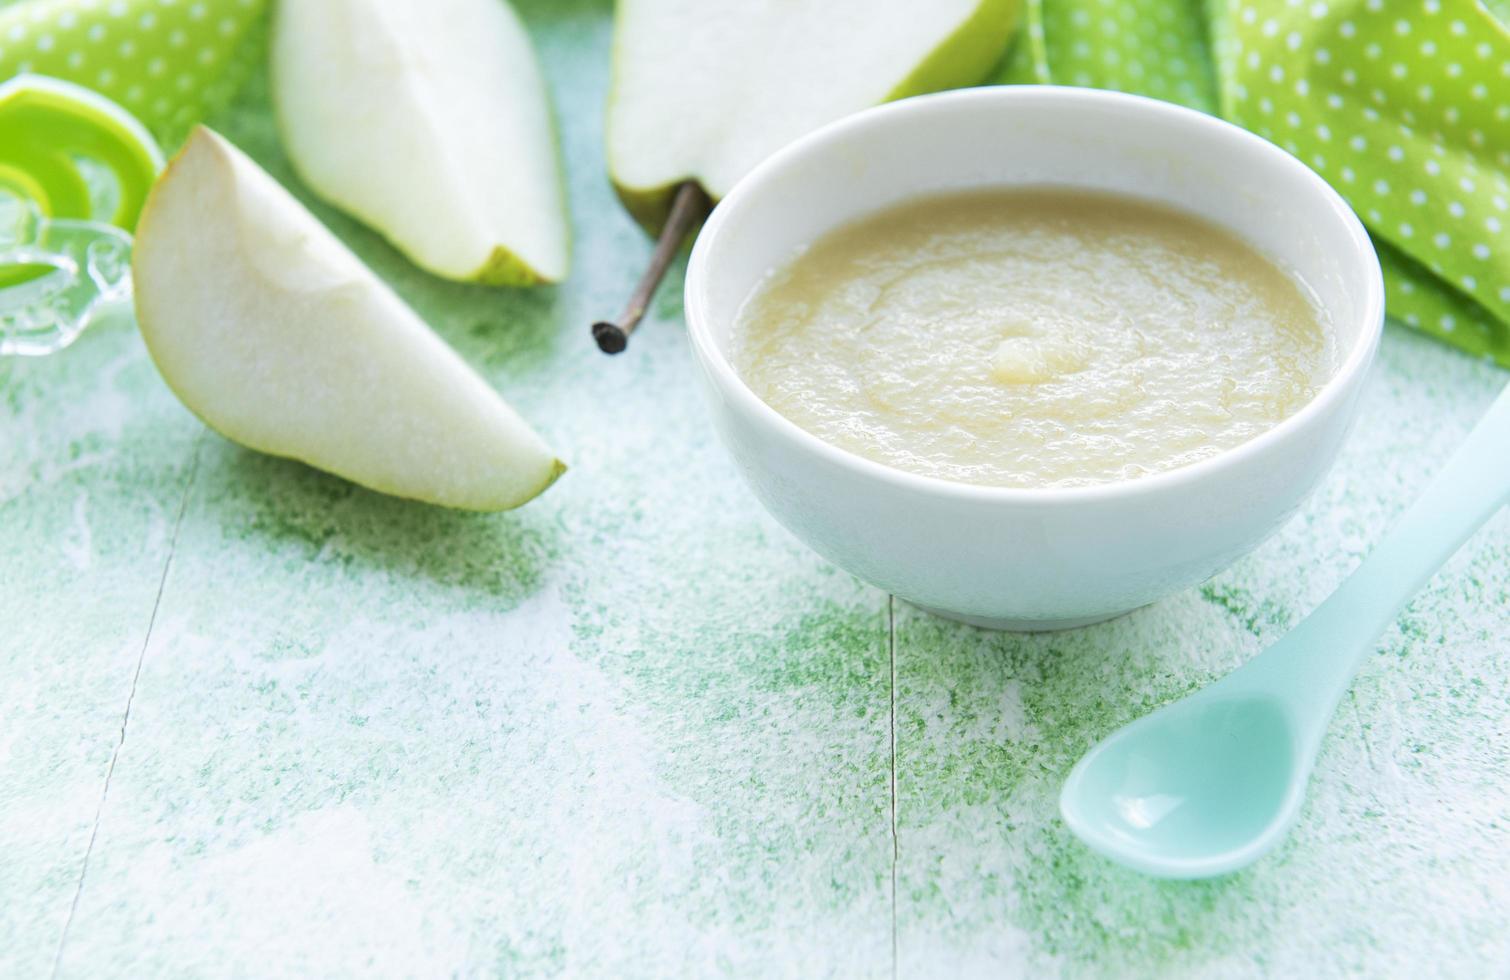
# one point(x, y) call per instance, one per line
point(1470, 488)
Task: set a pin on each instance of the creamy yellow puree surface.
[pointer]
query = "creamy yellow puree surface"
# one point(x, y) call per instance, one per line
point(1032, 337)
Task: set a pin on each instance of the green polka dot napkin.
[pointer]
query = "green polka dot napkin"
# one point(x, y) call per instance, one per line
point(1402, 105)
point(170, 62)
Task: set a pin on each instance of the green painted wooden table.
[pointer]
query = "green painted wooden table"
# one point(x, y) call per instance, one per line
point(256, 721)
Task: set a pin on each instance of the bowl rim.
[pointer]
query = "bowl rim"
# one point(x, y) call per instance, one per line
point(732, 385)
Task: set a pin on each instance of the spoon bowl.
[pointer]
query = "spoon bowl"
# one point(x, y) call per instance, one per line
point(1198, 788)
point(1210, 783)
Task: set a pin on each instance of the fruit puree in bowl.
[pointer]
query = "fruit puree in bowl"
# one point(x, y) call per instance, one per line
point(1032, 337)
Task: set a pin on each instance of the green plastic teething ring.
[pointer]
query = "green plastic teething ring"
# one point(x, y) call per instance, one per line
point(46, 124)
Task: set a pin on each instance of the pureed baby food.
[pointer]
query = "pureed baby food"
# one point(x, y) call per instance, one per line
point(1032, 337)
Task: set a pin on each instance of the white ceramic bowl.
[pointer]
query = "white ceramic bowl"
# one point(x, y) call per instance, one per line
point(1039, 558)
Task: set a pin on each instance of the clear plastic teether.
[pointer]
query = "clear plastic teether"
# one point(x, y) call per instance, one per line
point(75, 169)
point(55, 274)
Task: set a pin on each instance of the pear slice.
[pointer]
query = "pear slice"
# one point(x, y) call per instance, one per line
point(429, 121)
point(270, 330)
point(703, 90)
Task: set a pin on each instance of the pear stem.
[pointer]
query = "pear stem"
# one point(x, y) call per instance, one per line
point(689, 206)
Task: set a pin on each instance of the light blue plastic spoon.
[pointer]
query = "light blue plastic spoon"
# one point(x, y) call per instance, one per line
point(1210, 783)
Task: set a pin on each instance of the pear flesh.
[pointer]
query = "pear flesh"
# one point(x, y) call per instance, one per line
point(428, 120)
point(705, 89)
point(278, 337)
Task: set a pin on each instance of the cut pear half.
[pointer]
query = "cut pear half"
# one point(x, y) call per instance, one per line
point(703, 90)
point(428, 120)
point(278, 337)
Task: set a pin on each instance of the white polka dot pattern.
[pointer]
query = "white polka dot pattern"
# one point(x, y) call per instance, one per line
point(170, 62)
point(1402, 105)
point(1155, 49)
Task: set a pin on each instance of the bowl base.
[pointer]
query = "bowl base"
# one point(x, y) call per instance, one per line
point(1022, 625)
